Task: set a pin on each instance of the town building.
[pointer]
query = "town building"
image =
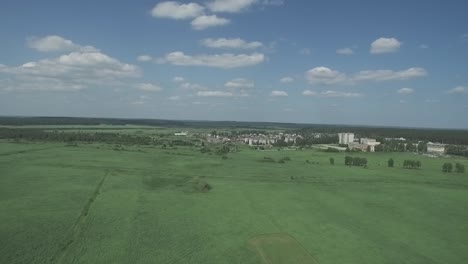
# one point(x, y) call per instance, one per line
point(346, 138)
point(436, 148)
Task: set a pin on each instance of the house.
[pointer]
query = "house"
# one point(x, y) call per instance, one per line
point(435, 148)
point(346, 138)
point(181, 133)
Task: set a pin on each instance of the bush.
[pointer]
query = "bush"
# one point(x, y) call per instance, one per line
point(447, 167)
point(390, 163)
point(459, 168)
point(224, 157)
point(332, 161)
point(411, 164)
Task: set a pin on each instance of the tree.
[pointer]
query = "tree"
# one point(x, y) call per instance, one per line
point(348, 160)
point(447, 167)
point(459, 168)
point(390, 163)
point(332, 161)
point(368, 149)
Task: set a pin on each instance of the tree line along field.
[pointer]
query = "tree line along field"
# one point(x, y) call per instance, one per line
point(144, 204)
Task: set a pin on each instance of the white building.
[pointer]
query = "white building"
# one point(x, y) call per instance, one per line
point(181, 133)
point(435, 148)
point(346, 138)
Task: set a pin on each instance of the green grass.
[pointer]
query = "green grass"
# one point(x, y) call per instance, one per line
point(53, 210)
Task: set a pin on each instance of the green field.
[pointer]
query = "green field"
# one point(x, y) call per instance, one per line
point(92, 204)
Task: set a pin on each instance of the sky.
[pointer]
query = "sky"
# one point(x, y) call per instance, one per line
point(367, 62)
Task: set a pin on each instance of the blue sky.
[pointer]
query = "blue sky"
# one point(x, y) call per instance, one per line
point(391, 63)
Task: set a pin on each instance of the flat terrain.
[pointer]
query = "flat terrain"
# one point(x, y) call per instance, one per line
point(93, 204)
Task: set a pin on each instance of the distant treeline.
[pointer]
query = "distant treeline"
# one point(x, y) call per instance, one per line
point(97, 137)
point(446, 136)
point(22, 121)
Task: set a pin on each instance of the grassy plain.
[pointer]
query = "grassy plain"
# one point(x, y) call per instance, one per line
point(92, 204)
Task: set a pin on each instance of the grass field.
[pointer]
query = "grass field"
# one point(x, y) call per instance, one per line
point(92, 204)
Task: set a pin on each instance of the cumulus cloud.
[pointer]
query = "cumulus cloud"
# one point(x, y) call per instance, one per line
point(309, 93)
point(459, 90)
point(278, 94)
point(226, 60)
point(405, 91)
point(327, 76)
point(331, 93)
point(231, 6)
point(234, 43)
point(149, 87)
point(174, 10)
point(204, 22)
point(385, 45)
point(287, 79)
point(174, 98)
point(69, 72)
point(345, 51)
point(214, 94)
point(178, 79)
point(324, 75)
point(239, 83)
point(55, 43)
point(144, 58)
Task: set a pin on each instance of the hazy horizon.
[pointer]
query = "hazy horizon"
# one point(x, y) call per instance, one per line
point(395, 64)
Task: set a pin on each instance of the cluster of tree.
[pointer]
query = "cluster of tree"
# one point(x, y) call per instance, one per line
point(272, 160)
point(398, 146)
point(456, 150)
point(310, 139)
point(448, 167)
point(331, 150)
point(102, 137)
point(456, 137)
point(411, 164)
point(355, 161)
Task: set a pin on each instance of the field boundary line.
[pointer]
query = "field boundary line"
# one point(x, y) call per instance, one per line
point(76, 227)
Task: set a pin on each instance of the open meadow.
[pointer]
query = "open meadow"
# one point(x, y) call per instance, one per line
point(93, 203)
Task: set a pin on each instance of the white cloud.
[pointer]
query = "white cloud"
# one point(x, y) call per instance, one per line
point(230, 6)
point(70, 72)
point(345, 51)
point(192, 86)
point(144, 58)
point(278, 94)
point(214, 94)
point(174, 98)
point(204, 22)
point(403, 101)
point(287, 79)
point(324, 75)
point(178, 79)
point(331, 93)
point(309, 93)
point(234, 43)
point(459, 90)
point(385, 45)
point(174, 10)
point(226, 60)
point(273, 2)
point(388, 75)
point(149, 87)
point(305, 51)
point(55, 43)
point(424, 46)
point(239, 83)
point(405, 91)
